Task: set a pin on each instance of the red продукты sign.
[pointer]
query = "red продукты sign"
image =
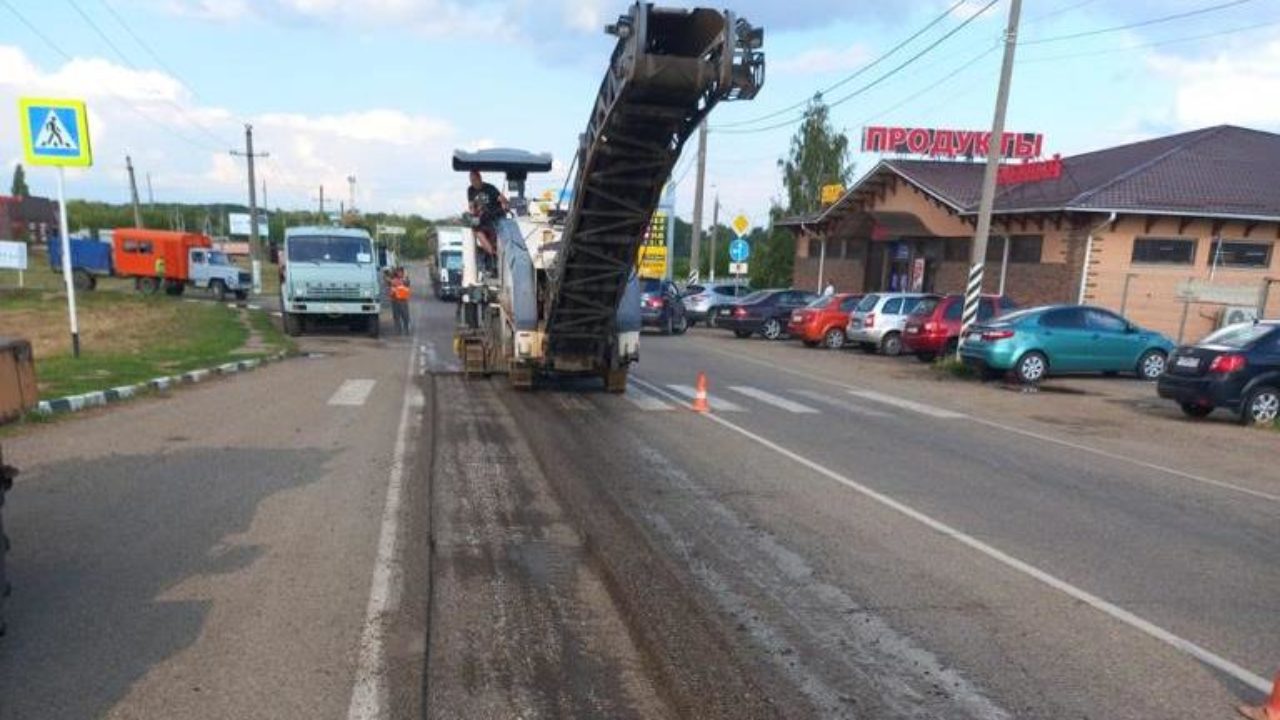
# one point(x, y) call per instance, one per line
point(936, 142)
point(1050, 169)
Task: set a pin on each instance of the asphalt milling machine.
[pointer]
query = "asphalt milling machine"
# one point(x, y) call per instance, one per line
point(564, 298)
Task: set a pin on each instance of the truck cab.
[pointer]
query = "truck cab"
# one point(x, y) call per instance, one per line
point(329, 273)
point(448, 269)
point(213, 270)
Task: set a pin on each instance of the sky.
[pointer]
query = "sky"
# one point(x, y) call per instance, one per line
point(385, 90)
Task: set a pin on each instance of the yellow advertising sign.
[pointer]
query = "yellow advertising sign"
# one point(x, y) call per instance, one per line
point(653, 261)
point(831, 194)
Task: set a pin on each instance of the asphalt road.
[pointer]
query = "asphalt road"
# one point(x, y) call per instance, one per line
point(364, 534)
point(886, 556)
point(211, 553)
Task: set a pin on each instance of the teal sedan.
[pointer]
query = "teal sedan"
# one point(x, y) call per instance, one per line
point(1064, 340)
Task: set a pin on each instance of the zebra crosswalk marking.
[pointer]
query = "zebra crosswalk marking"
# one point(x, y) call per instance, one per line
point(717, 404)
point(774, 400)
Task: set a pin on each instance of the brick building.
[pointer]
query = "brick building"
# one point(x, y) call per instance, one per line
point(1173, 231)
point(30, 218)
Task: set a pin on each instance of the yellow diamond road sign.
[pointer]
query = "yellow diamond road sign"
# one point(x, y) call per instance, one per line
point(741, 225)
point(55, 132)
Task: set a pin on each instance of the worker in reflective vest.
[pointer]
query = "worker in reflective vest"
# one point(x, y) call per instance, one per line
point(159, 267)
point(400, 295)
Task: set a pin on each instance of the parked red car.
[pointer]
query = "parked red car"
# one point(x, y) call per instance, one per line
point(822, 321)
point(933, 328)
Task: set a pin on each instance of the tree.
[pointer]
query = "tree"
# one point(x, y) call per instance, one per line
point(819, 155)
point(773, 254)
point(19, 187)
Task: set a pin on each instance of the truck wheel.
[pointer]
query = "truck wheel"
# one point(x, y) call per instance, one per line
point(174, 288)
point(615, 381)
point(148, 285)
point(219, 290)
point(374, 326)
point(82, 280)
point(292, 324)
point(242, 294)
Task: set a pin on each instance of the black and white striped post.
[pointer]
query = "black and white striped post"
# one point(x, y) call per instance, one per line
point(978, 260)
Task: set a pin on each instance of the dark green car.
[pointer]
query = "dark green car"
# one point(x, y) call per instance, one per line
point(1064, 340)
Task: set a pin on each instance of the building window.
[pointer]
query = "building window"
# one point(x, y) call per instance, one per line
point(956, 250)
point(1022, 249)
point(1232, 254)
point(1164, 251)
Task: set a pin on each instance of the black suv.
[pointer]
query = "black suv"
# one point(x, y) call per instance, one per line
point(765, 312)
point(1237, 368)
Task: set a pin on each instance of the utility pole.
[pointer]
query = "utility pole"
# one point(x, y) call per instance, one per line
point(151, 197)
point(696, 249)
point(133, 192)
point(255, 242)
point(265, 205)
point(322, 203)
point(978, 260)
point(715, 225)
point(351, 193)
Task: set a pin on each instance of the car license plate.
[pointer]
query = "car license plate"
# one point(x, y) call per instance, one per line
point(973, 337)
point(1188, 362)
point(913, 331)
point(795, 317)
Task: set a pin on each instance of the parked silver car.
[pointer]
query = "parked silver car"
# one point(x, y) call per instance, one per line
point(701, 300)
point(877, 322)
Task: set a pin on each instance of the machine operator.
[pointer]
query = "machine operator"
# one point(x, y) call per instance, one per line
point(487, 205)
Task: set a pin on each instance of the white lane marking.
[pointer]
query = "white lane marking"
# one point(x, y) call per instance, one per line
point(1115, 611)
point(840, 403)
point(369, 695)
point(905, 404)
point(644, 400)
point(352, 393)
point(1037, 436)
point(771, 399)
point(429, 353)
point(717, 404)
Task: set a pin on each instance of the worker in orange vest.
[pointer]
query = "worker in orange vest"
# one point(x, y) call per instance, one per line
point(400, 294)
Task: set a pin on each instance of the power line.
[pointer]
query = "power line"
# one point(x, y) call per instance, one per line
point(147, 48)
point(1060, 11)
point(35, 30)
point(868, 86)
point(965, 66)
point(116, 49)
point(858, 73)
point(1143, 23)
point(1158, 43)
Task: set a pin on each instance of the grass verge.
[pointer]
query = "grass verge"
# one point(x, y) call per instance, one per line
point(949, 366)
point(128, 339)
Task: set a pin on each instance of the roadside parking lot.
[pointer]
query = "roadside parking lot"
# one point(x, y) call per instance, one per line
point(1115, 415)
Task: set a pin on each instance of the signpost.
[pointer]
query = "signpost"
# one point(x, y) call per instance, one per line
point(55, 133)
point(739, 248)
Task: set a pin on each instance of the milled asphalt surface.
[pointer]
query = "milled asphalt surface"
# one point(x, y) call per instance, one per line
point(869, 613)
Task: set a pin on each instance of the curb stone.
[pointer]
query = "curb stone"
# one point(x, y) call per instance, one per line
point(76, 403)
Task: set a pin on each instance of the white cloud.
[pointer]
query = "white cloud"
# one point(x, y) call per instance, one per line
point(1231, 87)
point(400, 159)
point(822, 60)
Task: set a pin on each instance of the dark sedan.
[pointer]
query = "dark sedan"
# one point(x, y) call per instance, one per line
point(1236, 368)
point(660, 307)
point(766, 312)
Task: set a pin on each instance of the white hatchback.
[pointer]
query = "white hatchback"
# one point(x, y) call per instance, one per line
point(877, 322)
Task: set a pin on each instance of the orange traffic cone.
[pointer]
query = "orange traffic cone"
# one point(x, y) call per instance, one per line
point(1270, 711)
point(700, 394)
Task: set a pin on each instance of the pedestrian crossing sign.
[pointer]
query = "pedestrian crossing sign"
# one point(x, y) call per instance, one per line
point(55, 132)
